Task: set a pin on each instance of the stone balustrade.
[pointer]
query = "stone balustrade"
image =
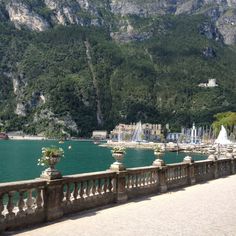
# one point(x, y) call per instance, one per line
point(25, 203)
point(22, 203)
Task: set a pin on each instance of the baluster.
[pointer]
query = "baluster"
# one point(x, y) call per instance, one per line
point(185, 172)
point(140, 179)
point(105, 185)
point(171, 174)
point(81, 194)
point(99, 187)
point(87, 188)
point(62, 195)
point(39, 199)
point(10, 205)
point(127, 182)
point(1, 207)
point(137, 180)
point(144, 179)
point(30, 202)
point(132, 181)
point(110, 184)
point(68, 194)
point(149, 178)
point(21, 203)
point(94, 190)
point(155, 176)
point(75, 193)
point(168, 174)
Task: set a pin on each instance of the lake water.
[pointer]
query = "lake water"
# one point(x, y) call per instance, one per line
point(18, 159)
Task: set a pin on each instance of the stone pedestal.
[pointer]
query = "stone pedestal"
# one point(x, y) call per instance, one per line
point(229, 153)
point(118, 164)
point(51, 174)
point(191, 173)
point(159, 161)
point(212, 156)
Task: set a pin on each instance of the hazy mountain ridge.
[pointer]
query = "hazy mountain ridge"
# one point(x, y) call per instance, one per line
point(42, 14)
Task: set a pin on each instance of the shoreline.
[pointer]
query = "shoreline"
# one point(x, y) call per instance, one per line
point(42, 138)
point(170, 147)
point(27, 137)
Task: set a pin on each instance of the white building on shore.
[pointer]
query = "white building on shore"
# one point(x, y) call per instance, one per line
point(211, 84)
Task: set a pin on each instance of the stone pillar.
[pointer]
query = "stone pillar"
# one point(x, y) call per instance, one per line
point(53, 200)
point(234, 153)
point(212, 157)
point(230, 155)
point(229, 152)
point(162, 179)
point(120, 187)
point(191, 173)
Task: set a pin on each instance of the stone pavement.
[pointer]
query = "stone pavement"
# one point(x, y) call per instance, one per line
point(203, 209)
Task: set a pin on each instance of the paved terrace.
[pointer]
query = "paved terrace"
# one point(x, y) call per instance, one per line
point(201, 209)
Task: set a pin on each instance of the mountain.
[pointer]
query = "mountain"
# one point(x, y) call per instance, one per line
point(80, 65)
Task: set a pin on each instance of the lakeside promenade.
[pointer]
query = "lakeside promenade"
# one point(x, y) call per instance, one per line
point(201, 209)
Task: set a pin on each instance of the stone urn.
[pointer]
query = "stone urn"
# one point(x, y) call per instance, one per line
point(50, 157)
point(118, 164)
point(51, 172)
point(159, 158)
point(188, 160)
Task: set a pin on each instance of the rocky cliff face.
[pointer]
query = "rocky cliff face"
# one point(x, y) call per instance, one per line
point(91, 12)
point(21, 15)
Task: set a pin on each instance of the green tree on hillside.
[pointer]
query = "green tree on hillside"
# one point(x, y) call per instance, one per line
point(227, 119)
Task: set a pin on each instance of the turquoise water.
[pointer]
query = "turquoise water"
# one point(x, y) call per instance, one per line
point(18, 159)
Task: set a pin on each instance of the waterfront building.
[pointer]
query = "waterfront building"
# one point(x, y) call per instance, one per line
point(3, 136)
point(126, 132)
point(211, 84)
point(173, 137)
point(99, 134)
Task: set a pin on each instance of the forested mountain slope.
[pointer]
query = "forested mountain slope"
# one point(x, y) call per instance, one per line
point(79, 65)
